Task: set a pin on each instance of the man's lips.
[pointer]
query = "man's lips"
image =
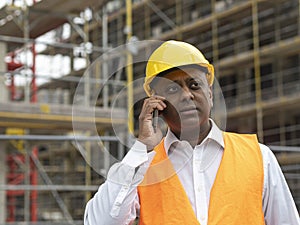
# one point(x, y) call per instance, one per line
point(188, 110)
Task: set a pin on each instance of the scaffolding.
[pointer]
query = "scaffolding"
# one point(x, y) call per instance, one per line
point(253, 44)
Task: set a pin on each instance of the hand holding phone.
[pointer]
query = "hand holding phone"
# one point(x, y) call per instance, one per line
point(149, 132)
point(155, 120)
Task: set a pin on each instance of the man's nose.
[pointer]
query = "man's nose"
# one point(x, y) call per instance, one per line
point(187, 94)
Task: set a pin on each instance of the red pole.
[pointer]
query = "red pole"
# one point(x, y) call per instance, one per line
point(12, 88)
point(34, 181)
point(11, 201)
point(33, 81)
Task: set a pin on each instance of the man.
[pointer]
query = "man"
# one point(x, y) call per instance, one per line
point(196, 174)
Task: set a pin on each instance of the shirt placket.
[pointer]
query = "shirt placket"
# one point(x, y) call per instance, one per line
point(199, 186)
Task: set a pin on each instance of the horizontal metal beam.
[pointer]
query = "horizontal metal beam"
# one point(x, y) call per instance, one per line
point(54, 44)
point(284, 148)
point(69, 78)
point(49, 187)
point(60, 222)
point(57, 138)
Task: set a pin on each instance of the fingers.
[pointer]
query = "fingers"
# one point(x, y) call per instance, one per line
point(149, 133)
point(152, 103)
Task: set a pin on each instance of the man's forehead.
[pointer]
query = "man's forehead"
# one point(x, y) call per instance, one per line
point(193, 71)
point(186, 74)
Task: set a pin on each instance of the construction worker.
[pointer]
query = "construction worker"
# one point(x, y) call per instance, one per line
point(196, 174)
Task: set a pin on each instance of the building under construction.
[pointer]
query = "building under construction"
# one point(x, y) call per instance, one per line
point(70, 89)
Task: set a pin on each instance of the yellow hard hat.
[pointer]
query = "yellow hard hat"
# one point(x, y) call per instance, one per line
point(174, 54)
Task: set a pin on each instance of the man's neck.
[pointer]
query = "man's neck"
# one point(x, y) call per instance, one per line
point(194, 136)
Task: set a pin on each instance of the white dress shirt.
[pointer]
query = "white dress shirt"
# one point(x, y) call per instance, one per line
point(117, 202)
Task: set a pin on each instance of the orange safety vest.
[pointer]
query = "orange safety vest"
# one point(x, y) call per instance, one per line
point(236, 195)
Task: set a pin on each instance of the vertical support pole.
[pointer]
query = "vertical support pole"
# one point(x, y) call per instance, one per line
point(215, 47)
point(106, 154)
point(26, 49)
point(282, 129)
point(72, 56)
point(121, 148)
point(278, 66)
point(240, 89)
point(87, 75)
point(178, 18)
point(148, 22)
point(298, 17)
point(33, 81)
point(215, 54)
point(105, 66)
point(278, 69)
point(3, 174)
point(120, 29)
point(129, 69)
point(105, 78)
point(11, 199)
point(97, 69)
point(12, 88)
point(3, 88)
point(88, 172)
point(34, 182)
point(257, 75)
point(277, 21)
point(27, 182)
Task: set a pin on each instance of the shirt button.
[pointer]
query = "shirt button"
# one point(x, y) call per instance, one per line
point(200, 189)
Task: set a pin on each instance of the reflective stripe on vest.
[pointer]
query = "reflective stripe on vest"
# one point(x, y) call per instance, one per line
point(236, 195)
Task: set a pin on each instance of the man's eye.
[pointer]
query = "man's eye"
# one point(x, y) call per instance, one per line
point(195, 85)
point(172, 89)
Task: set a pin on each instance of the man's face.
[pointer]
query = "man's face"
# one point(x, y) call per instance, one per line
point(188, 98)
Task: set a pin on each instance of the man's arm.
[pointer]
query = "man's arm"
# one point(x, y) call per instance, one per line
point(116, 202)
point(278, 204)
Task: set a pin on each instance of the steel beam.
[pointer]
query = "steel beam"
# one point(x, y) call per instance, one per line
point(57, 138)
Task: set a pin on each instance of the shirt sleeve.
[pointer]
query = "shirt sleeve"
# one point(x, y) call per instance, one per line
point(116, 202)
point(278, 204)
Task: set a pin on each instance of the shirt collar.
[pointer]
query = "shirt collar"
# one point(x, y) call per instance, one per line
point(215, 134)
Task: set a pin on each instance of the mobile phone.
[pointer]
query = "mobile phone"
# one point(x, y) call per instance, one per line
point(155, 120)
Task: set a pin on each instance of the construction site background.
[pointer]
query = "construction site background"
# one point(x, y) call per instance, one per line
point(71, 71)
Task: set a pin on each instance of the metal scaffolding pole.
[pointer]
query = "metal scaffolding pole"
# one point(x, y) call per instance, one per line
point(87, 86)
point(178, 6)
point(26, 48)
point(3, 181)
point(88, 172)
point(24, 40)
point(52, 187)
point(162, 15)
point(298, 17)
point(27, 182)
point(129, 69)
point(257, 75)
point(33, 137)
point(284, 148)
point(147, 22)
point(55, 194)
point(105, 62)
point(215, 55)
